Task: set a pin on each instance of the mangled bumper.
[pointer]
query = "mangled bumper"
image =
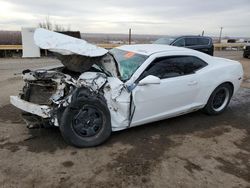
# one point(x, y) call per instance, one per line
point(39, 110)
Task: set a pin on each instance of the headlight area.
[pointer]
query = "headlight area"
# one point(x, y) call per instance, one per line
point(44, 93)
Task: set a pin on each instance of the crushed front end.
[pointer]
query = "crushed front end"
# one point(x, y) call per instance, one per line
point(44, 92)
point(48, 93)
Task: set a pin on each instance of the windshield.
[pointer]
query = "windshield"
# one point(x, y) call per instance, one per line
point(165, 40)
point(128, 62)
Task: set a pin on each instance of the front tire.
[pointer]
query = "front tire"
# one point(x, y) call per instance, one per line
point(219, 99)
point(86, 121)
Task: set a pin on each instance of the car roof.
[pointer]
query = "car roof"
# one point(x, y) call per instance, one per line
point(149, 49)
point(180, 36)
point(194, 36)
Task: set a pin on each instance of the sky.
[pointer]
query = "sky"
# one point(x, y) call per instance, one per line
point(163, 17)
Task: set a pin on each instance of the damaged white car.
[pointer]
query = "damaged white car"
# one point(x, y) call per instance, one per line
point(99, 91)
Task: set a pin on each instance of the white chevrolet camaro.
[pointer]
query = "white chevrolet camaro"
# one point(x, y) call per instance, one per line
point(99, 91)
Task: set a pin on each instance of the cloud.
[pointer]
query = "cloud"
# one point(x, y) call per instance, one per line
point(145, 17)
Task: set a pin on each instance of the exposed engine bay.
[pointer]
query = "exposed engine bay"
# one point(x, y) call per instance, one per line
point(52, 90)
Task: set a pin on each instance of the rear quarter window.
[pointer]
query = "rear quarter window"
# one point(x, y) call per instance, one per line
point(203, 41)
point(191, 41)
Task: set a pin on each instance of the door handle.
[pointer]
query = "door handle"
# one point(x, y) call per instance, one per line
point(192, 83)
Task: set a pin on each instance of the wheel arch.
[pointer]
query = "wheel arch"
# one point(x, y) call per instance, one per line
point(80, 97)
point(229, 83)
point(225, 82)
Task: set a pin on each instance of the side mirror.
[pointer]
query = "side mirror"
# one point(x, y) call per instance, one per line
point(149, 80)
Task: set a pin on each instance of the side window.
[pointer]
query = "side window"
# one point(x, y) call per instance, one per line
point(179, 42)
point(203, 41)
point(191, 41)
point(174, 66)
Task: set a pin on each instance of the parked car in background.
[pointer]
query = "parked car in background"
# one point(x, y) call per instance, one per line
point(246, 52)
point(199, 43)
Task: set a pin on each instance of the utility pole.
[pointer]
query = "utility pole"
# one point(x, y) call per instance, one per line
point(129, 37)
point(220, 34)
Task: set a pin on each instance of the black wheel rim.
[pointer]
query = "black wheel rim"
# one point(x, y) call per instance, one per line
point(220, 99)
point(88, 121)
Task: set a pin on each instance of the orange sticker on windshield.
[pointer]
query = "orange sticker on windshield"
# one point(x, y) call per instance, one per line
point(129, 54)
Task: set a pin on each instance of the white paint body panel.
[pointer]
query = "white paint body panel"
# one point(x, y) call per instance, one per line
point(118, 101)
point(66, 45)
point(40, 110)
point(158, 101)
point(183, 94)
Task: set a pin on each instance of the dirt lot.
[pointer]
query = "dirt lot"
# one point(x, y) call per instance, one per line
point(193, 150)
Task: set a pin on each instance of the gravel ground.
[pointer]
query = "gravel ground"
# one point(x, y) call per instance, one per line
point(194, 150)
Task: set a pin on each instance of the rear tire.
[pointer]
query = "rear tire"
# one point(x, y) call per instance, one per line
point(245, 56)
point(219, 99)
point(86, 121)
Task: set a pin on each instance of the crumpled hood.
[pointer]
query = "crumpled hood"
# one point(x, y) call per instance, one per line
point(66, 45)
point(75, 54)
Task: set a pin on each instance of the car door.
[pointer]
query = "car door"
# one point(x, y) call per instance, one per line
point(175, 94)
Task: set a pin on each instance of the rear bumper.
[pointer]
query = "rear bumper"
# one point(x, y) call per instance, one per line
point(39, 110)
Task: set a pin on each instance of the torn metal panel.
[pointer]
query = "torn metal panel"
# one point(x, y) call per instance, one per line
point(40, 110)
point(66, 45)
point(78, 63)
point(29, 76)
point(48, 86)
point(75, 54)
point(43, 75)
point(118, 101)
point(59, 91)
point(92, 80)
point(110, 65)
point(115, 93)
